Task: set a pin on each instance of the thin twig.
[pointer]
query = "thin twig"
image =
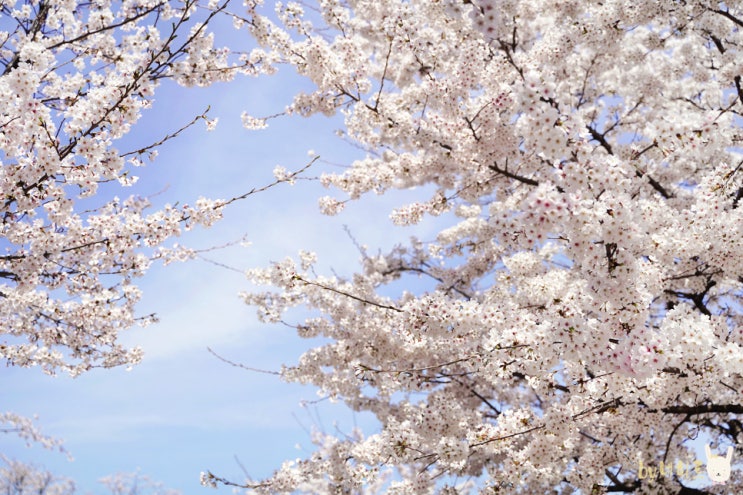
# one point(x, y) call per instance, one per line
point(238, 365)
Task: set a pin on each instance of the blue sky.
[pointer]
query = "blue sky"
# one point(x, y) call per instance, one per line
point(182, 410)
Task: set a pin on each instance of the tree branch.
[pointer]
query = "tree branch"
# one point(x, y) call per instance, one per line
point(510, 175)
point(704, 409)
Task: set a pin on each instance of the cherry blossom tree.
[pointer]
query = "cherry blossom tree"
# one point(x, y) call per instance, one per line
point(76, 77)
point(18, 478)
point(581, 320)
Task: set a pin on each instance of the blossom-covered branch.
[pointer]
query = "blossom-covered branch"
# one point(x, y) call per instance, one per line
point(587, 156)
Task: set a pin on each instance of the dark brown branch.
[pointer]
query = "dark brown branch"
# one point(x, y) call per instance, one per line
point(654, 183)
point(35, 28)
point(600, 408)
point(381, 80)
point(619, 485)
point(420, 370)
point(728, 15)
point(640, 173)
point(508, 50)
point(346, 294)
point(484, 442)
point(601, 138)
point(717, 42)
point(510, 175)
point(686, 490)
point(414, 269)
point(115, 25)
point(168, 137)
point(611, 256)
point(697, 298)
point(673, 432)
point(475, 393)
point(738, 88)
point(704, 409)
point(591, 438)
point(638, 154)
point(738, 197)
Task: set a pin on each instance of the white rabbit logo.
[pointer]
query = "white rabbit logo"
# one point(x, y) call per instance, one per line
point(718, 467)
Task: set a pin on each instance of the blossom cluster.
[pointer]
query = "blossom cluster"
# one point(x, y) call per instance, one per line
point(75, 78)
point(584, 305)
point(24, 428)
